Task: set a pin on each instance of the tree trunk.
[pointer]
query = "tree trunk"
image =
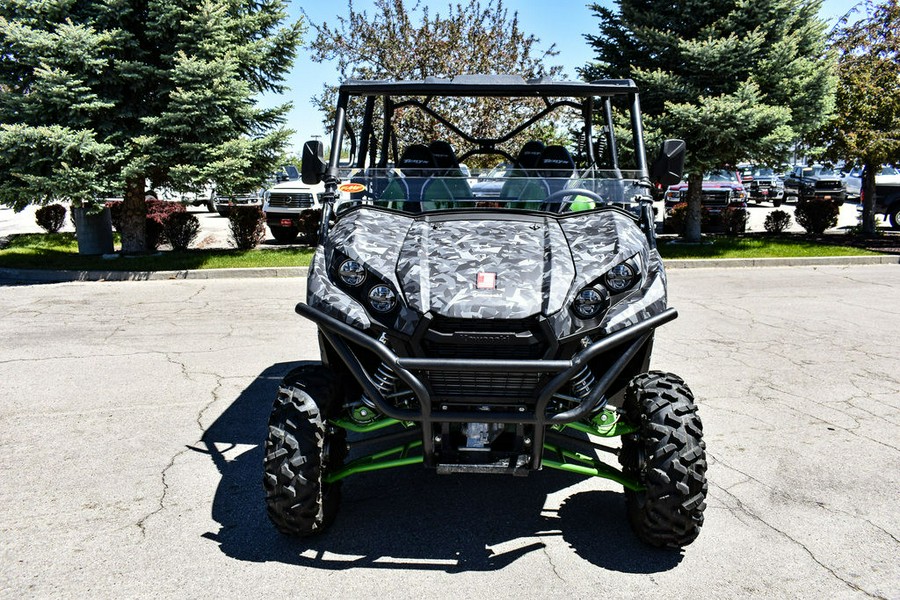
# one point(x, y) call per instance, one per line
point(692, 220)
point(133, 227)
point(868, 192)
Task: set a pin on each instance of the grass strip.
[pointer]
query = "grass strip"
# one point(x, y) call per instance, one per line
point(59, 251)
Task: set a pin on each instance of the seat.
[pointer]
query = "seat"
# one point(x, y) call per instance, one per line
point(405, 193)
point(448, 170)
point(556, 168)
point(523, 182)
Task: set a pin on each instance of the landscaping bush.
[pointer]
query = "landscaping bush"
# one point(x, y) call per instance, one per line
point(815, 216)
point(248, 226)
point(51, 217)
point(310, 221)
point(181, 229)
point(676, 218)
point(157, 212)
point(734, 220)
point(777, 221)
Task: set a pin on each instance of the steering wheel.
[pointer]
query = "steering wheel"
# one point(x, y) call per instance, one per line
point(570, 192)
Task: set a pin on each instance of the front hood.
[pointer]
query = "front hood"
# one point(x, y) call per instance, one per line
point(537, 263)
point(525, 262)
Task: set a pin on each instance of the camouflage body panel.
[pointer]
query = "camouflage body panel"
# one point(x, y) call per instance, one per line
point(529, 258)
point(540, 263)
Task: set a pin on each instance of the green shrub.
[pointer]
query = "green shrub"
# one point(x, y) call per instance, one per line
point(181, 229)
point(777, 221)
point(815, 216)
point(51, 217)
point(248, 226)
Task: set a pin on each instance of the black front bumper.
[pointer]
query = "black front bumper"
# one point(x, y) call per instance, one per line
point(415, 373)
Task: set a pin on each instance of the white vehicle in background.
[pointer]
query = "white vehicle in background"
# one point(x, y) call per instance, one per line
point(888, 175)
point(289, 205)
point(206, 197)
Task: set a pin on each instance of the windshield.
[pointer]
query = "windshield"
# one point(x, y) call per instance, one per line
point(721, 175)
point(763, 172)
point(431, 190)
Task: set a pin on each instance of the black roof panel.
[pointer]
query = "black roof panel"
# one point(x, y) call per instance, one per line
point(487, 85)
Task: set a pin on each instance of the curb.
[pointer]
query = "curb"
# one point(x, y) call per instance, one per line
point(797, 261)
point(41, 276)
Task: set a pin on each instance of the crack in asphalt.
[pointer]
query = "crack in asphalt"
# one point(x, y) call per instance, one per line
point(740, 506)
point(185, 372)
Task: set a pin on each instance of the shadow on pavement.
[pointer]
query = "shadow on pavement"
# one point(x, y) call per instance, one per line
point(411, 518)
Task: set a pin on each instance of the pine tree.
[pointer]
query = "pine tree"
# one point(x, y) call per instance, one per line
point(736, 80)
point(867, 126)
point(120, 93)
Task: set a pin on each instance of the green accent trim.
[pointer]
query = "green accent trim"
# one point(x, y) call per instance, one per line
point(376, 462)
point(590, 466)
point(606, 424)
point(366, 428)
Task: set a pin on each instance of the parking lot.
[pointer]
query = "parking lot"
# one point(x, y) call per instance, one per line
point(214, 231)
point(131, 418)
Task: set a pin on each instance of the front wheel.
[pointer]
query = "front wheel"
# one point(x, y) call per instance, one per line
point(667, 455)
point(301, 450)
point(894, 216)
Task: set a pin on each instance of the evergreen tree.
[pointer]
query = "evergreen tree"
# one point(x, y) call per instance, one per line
point(105, 95)
point(736, 80)
point(401, 41)
point(867, 126)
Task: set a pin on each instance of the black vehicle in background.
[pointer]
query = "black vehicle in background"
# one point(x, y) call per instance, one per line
point(816, 182)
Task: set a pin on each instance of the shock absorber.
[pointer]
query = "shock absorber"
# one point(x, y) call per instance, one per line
point(583, 383)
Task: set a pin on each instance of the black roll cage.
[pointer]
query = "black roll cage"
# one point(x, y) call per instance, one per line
point(419, 94)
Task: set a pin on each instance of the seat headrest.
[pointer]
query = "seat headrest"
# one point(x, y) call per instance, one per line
point(444, 156)
point(530, 154)
point(556, 162)
point(415, 159)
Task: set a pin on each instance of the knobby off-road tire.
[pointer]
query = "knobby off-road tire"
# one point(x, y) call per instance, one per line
point(301, 449)
point(668, 456)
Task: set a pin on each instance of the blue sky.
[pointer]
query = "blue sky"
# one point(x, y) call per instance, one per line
point(560, 22)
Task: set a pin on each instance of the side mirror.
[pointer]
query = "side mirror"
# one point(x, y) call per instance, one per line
point(669, 164)
point(312, 169)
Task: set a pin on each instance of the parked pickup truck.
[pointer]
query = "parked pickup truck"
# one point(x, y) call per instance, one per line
point(285, 203)
point(887, 202)
point(815, 182)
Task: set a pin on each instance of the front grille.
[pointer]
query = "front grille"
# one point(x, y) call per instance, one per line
point(716, 198)
point(828, 186)
point(291, 201)
point(485, 338)
point(483, 386)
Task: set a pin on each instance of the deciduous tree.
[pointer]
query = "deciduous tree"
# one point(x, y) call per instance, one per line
point(403, 40)
point(867, 126)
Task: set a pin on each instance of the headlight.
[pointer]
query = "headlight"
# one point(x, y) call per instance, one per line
point(352, 273)
point(382, 298)
point(588, 303)
point(620, 278)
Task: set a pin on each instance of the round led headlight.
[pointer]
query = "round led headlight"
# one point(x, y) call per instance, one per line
point(588, 303)
point(352, 273)
point(382, 298)
point(620, 278)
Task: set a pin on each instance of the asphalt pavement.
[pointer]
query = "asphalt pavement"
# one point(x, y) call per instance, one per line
point(132, 413)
